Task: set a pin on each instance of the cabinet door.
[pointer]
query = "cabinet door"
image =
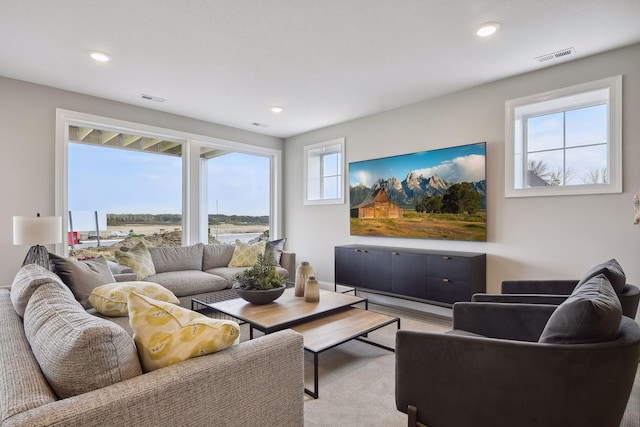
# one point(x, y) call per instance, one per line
point(448, 279)
point(409, 274)
point(347, 262)
point(375, 270)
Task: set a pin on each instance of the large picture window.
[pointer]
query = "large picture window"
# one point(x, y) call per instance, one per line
point(117, 180)
point(566, 141)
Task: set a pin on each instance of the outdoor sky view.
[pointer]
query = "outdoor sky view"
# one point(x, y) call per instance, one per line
point(581, 135)
point(118, 181)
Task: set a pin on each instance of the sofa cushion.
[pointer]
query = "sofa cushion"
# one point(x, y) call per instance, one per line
point(218, 255)
point(76, 351)
point(166, 334)
point(188, 282)
point(276, 247)
point(178, 258)
point(111, 299)
point(245, 254)
point(82, 276)
point(139, 259)
point(28, 279)
point(592, 313)
point(612, 270)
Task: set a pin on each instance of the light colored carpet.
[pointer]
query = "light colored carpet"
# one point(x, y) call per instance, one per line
point(357, 383)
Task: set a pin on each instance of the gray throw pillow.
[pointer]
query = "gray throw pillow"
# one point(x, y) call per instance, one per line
point(592, 313)
point(612, 270)
point(276, 247)
point(82, 276)
point(77, 352)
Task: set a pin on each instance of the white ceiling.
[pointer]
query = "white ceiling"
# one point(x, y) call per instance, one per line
point(324, 61)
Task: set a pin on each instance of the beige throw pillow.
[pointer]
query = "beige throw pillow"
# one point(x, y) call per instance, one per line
point(139, 259)
point(166, 334)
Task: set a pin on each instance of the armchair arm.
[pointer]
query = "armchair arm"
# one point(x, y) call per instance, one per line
point(554, 287)
point(520, 298)
point(521, 322)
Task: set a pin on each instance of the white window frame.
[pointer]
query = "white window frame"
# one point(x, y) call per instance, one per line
point(194, 227)
point(551, 102)
point(313, 175)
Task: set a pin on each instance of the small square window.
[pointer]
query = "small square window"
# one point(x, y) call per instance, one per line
point(324, 172)
point(567, 141)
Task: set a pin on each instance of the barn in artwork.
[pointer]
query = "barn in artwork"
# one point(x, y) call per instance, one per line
point(377, 205)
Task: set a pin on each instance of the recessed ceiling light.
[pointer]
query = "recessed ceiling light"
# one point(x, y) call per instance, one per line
point(100, 56)
point(277, 109)
point(487, 29)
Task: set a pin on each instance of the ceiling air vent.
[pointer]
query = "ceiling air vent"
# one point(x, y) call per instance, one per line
point(556, 55)
point(152, 98)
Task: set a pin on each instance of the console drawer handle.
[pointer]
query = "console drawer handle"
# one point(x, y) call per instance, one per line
point(446, 257)
point(445, 280)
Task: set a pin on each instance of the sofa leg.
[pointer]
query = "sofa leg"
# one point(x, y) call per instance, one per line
point(412, 411)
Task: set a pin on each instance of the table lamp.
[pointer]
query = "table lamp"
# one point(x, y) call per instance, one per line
point(38, 231)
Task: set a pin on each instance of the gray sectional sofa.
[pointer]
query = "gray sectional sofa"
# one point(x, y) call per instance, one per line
point(50, 343)
point(199, 270)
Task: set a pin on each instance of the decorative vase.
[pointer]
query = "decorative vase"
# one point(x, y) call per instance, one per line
point(303, 272)
point(260, 296)
point(312, 290)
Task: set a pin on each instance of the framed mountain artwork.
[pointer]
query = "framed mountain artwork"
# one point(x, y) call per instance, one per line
point(436, 194)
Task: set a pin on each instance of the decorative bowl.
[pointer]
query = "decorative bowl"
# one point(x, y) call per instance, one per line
point(260, 296)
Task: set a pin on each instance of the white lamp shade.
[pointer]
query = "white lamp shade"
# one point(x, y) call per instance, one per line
point(40, 230)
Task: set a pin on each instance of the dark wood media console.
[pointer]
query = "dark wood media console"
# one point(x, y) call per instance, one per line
point(436, 277)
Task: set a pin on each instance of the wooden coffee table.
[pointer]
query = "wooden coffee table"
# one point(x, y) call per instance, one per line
point(326, 324)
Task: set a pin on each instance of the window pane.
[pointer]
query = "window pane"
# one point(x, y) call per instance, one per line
point(587, 165)
point(545, 132)
point(545, 168)
point(331, 187)
point(587, 126)
point(313, 180)
point(134, 192)
point(331, 164)
point(238, 195)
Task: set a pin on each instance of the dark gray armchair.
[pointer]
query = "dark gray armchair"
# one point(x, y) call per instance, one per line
point(557, 291)
point(492, 371)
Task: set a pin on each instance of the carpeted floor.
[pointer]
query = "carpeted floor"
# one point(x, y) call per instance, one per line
point(357, 380)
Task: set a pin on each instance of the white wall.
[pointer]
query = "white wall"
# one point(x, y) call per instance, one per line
point(27, 121)
point(541, 237)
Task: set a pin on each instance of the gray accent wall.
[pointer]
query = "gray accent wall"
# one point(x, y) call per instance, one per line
point(533, 237)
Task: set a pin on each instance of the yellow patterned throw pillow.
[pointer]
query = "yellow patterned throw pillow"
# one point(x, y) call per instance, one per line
point(139, 259)
point(245, 254)
point(111, 299)
point(166, 334)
